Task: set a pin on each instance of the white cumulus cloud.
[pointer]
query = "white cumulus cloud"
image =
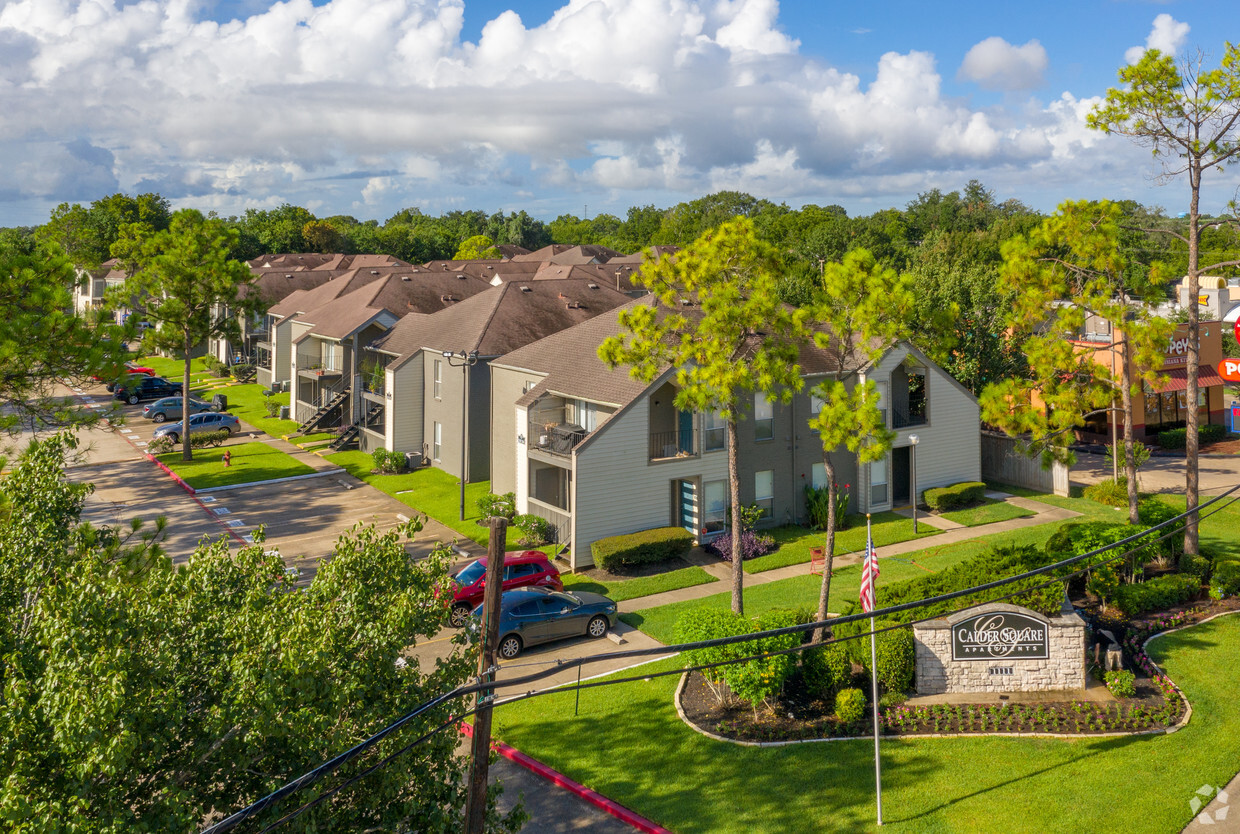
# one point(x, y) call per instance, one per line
point(996, 64)
point(1167, 35)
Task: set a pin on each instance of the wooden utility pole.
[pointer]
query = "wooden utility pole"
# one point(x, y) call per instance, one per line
point(476, 801)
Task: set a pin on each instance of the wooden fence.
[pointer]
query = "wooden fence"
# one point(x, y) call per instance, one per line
point(1003, 462)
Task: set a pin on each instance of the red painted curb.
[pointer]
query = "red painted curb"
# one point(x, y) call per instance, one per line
point(174, 476)
point(555, 777)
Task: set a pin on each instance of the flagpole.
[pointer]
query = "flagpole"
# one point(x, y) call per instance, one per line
point(878, 762)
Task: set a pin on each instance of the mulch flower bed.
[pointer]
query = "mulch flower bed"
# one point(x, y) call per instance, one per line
point(797, 715)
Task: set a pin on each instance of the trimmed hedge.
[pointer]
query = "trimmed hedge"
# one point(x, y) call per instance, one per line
point(638, 548)
point(1156, 594)
point(1195, 565)
point(897, 659)
point(1226, 579)
point(850, 705)
point(1178, 438)
point(952, 497)
point(826, 669)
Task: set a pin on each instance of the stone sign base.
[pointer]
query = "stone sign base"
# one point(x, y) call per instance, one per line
point(990, 655)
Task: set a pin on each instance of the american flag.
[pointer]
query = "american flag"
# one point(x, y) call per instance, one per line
point(869, 573)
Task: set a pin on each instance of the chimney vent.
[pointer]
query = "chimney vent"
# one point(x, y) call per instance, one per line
point(526, 289)
point(592, 286)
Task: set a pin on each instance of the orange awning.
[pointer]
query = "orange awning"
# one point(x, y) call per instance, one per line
point(1178, 380)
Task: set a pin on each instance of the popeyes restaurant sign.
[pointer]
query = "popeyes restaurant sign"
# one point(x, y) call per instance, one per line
point(1229, 369)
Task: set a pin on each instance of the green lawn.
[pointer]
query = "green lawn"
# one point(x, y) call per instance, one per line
point(251, 462)
point(803, 591)
point(248, 403)
point(430, 491)
point(641, 586)
point(628, 743)
point(795, 542)
point(990, 511)
point(174, 369)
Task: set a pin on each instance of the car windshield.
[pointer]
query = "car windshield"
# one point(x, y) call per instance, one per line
point(472, 573)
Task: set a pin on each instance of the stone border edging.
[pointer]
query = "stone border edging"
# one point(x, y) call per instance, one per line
point(579, 790)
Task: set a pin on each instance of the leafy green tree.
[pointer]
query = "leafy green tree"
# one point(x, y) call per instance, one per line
point(86, 234)
point(43, 344)
point(154, 698)
point(1190, 117)
point(1069, 269)
point(321, 236)
point(277, 230)
point(473, 248)
point(733, 338)
point(188, 283)
point(861, 312)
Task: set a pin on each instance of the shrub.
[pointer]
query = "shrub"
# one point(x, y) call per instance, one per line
point(897, 658)
point(1154, 511)
point(212, 364)
point(955, 496)
point(388, 463)
point(160, 445)
point(700, 624)
point(1178, 438)
point(1078, 538)
point(1196, 565)
point(492, 505)
point(1211, 433)
point(203, 439)
point(1112, 492)
point(272, 407)
point(653, 545)
point(891, 699)
point(753, 545)
point(757, 680)
point(1156, 594)
point(816, 501)
point(826, 669)
point(1226, 579)
point(535, 530)
point(1103, 583)
point(1123, 684)
point(240, 369)
point(850, 705)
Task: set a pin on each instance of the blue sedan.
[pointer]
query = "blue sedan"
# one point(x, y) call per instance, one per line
point(536, 615)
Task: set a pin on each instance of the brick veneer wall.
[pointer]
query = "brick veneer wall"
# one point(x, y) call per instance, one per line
point(937, 673)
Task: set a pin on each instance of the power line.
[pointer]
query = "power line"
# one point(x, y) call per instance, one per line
point(341, 759)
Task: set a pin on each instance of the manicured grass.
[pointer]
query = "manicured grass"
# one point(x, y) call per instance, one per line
point(641, 586)
point(248, 403)
point(803, 591)
point(641, 755)
point(990, 511)
point(251, 462)
point(174, 369)
point(795, 542)
point(430, 491)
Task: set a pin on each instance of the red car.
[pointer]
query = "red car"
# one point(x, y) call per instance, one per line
point(522, 570)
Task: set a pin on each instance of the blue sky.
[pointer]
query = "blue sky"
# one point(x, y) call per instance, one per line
point(365, 107)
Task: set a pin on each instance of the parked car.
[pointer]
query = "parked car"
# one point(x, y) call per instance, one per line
point(529, 616)
point(200, 423)
point(131, 371)
point(531, 568)
point(161, 410)
point(135, 389)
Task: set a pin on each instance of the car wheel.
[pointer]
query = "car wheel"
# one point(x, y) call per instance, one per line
point(227, 431)
point(158, 417)
point(174, 437)
point(458, 615)
point(510, 647)
point(597, 627)
point(133, 399)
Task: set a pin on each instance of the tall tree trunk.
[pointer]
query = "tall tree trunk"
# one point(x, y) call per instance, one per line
point(1130, 459)
point(1194, 360)
point(825, 593)
point(734, 488)
point(187, 450)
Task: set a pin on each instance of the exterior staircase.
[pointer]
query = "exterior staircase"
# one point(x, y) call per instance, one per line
point(348, 438)
point(319, 417)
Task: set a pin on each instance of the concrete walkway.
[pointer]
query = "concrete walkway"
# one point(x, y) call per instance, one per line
point(1045, 514)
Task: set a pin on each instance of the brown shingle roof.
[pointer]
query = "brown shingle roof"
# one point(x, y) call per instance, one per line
point(399, 294)
point(501, 319)
point(315, 297)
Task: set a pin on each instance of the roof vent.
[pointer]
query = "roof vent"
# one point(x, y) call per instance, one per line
point(405, 278)
point(374, 272)
point(526, 289)
point(684, 302)
point(290, 277)
point(592, 286)
point(460, 276)
point(446, 298)
point(490, 267)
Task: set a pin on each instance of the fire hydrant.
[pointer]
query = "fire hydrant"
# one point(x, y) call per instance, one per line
point(227, 458)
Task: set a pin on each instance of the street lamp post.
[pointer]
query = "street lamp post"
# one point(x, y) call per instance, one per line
point(463, 360)
point(913, 440)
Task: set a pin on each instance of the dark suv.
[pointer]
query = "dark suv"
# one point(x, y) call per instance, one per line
point(137, 389)
point(531, 568)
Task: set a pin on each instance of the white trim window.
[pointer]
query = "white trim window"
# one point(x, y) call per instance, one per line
point(438, 382)
point(763, 417)
point(764, 491)
point(714, 431)
point(815, 404)
point(438, 447)
point(878, 482)
point(818, 475)
point(714, 507)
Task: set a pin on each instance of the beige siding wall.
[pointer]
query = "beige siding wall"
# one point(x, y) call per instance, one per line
point(507, 387)
point(403, 414)
point(949, 448)
point(618, 490)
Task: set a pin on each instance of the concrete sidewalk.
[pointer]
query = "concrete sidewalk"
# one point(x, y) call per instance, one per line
point(1046, 514)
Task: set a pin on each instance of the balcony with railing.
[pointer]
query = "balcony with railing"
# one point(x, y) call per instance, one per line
point(673, 433)
point(909, 395)
point(678, 443)
point(310, 366)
